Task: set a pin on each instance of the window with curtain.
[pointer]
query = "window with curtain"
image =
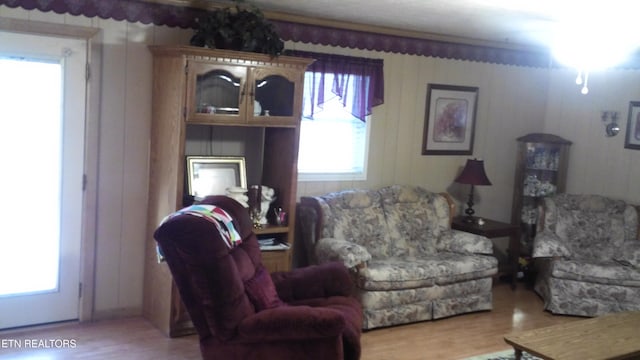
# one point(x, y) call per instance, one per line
point(339, 93)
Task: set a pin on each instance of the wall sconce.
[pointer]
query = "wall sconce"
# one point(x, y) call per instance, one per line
point(612, 128)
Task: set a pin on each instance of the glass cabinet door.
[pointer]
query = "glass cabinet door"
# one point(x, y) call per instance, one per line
point(540, 178)
point(541, 171)
point(273, 96)
point(215, 93)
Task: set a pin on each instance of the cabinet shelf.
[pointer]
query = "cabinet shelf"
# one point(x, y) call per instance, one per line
point(271, 229)
point(541, 169)
point(270, 250)
point(267, 121)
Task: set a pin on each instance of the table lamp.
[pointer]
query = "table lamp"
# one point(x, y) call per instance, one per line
point(473, 174)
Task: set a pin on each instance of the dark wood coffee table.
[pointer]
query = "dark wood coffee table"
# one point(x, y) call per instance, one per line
point(613, 336)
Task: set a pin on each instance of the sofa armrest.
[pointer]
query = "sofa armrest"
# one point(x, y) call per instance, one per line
point(630, 254)
point(464, 242)
point(291, 323)
point(548, 244)
point(349, 253)
point(316, 281)
point(307, 230)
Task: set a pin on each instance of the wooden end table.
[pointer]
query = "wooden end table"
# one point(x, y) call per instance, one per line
point(495, 229)
point(613, 336)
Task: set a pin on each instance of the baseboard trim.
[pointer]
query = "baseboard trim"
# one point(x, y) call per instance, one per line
point(120, 313)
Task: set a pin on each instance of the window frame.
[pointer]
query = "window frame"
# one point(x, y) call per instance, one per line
point(342, 176)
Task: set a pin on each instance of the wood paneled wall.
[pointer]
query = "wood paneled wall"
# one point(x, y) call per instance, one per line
point(513, 101)
point(597, 164)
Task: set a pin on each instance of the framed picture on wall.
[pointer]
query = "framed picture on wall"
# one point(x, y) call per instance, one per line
point(632, 141)
point(450, 119)
point(212, 175)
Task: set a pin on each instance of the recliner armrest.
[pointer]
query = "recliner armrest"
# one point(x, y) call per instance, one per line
point(316, 281)
point(464, 242)
point(548, 244)
point(291, 323)
point(347, 252)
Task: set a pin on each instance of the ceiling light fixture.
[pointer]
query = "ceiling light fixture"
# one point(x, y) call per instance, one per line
point(593, 36)
point(584, 82)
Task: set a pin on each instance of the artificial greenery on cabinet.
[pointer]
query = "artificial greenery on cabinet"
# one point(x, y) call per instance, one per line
point(238, 28)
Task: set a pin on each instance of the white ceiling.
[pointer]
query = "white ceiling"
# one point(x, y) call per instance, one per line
point(531, 24)
point(580, 29)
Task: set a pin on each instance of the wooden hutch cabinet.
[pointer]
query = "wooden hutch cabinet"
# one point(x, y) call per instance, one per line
point(219, 103)
point(541, 170)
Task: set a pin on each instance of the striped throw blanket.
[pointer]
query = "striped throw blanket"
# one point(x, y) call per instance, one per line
point(216, 215)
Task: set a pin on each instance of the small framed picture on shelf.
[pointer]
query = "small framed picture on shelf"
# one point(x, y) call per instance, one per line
point(449, 120)
point(212, 175)
point(632, 140)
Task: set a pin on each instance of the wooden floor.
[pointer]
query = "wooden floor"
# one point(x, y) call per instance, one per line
point(452, 338)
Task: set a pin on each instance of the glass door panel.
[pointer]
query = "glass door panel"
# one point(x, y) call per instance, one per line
point(216, 93)
point(274, 101)
point(275, 95)
point(42, 149)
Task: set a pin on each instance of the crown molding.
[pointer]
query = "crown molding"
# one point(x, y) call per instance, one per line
point(184, 14)
point(208, 5)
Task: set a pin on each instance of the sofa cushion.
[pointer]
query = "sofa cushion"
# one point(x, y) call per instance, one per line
point(396, 273)
point(415, 217)
point(606, 272)
point(397, 298)
point(356, 216)
point(592, 226)
point(441, 268)
point(455, 267)
point(591, 235)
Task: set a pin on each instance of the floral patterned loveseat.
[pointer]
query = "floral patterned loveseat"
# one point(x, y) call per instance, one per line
point(408, 264)
point(587, 253)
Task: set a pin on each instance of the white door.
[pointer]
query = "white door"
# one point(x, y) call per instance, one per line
point(42, 126)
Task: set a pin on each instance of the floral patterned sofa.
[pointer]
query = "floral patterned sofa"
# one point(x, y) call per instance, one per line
point(408, 264)
point(587, 253)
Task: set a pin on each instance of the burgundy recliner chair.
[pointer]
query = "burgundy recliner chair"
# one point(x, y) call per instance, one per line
point(240, 312)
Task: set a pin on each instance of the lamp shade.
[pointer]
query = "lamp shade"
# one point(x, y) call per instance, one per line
point(473, 173)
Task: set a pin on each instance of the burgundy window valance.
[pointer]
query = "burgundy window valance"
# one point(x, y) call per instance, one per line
point(364, 76)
